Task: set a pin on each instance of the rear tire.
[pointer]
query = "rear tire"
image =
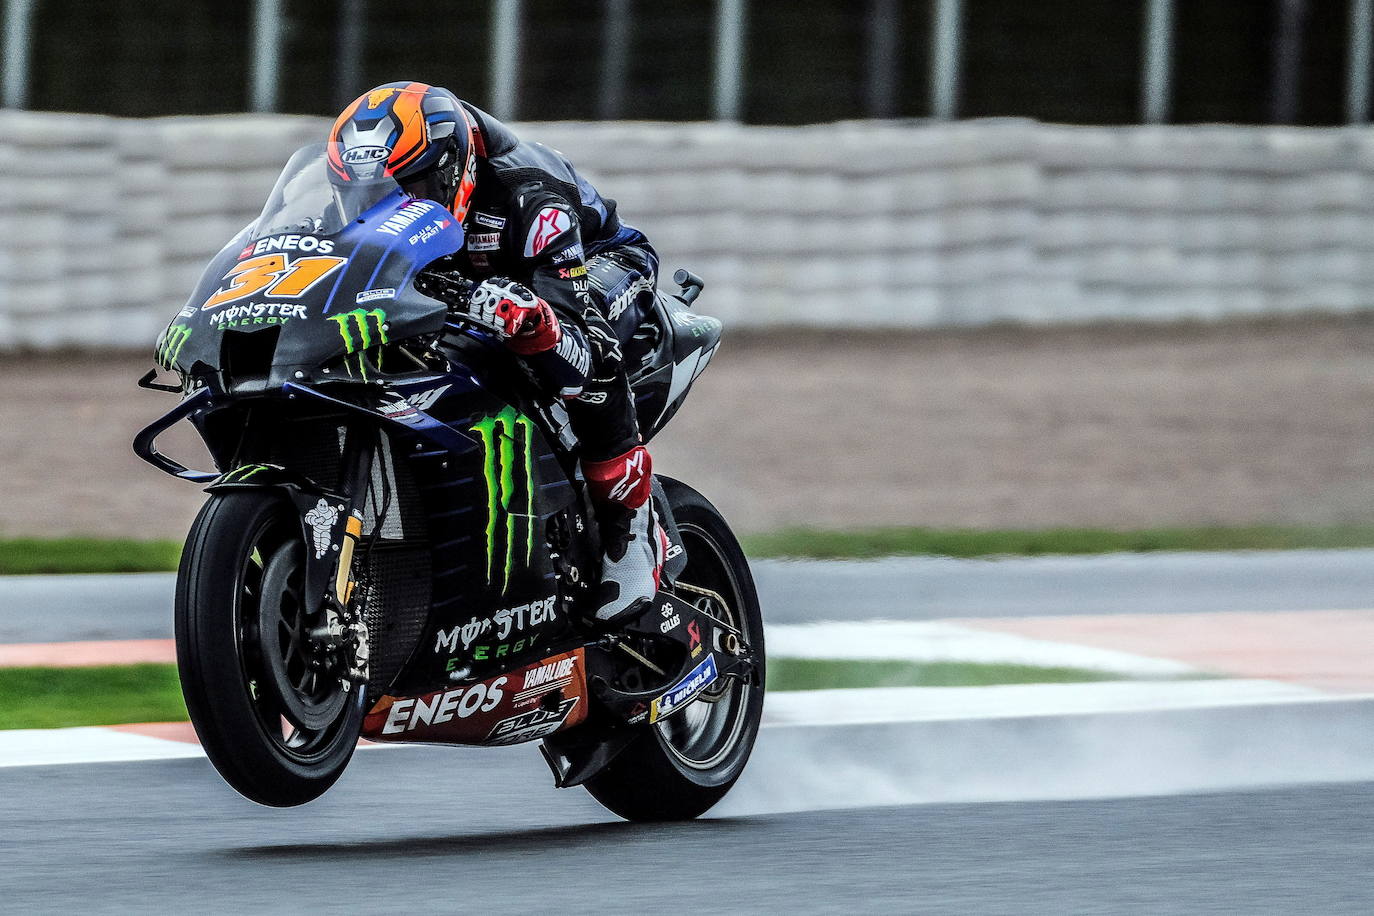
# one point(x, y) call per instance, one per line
point(278, 731)
point(680, 767)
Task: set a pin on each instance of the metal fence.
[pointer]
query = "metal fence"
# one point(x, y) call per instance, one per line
point(802, 61)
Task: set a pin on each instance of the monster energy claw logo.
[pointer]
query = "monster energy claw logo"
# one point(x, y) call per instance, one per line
point(240, 474)
point(169, 348)
point(359, 327)
point(506, 444)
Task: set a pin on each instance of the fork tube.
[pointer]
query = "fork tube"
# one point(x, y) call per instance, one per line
point(353, 530)
point(359, 451)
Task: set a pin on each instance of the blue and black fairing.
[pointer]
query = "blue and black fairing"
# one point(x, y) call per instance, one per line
point(457, 465)
point(686, 342)
point(316, 287)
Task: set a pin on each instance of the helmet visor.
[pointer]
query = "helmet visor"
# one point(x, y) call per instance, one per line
point(432, 184)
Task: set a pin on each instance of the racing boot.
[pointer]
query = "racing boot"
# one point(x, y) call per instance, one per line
point(632, 540)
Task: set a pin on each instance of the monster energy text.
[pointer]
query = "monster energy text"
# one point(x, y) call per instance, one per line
point(173, 339)
point(506, 440)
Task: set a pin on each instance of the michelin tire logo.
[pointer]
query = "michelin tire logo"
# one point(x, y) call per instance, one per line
point(321, 519)
point(685, 690)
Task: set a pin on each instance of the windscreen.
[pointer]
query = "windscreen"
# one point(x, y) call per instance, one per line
point(307, 199)
point(326, 270)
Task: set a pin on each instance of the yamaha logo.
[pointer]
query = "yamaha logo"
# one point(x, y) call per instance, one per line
point(362, 154)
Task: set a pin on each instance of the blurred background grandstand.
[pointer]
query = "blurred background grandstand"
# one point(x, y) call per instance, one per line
point(797, 62)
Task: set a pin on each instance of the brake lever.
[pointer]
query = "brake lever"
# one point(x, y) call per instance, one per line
point(449, 287)
point(463, 321)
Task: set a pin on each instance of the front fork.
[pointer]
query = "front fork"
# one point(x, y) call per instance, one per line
point(345, 630)
point(331, 528)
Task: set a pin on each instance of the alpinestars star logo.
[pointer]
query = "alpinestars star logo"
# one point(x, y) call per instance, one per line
point(508, 467)
point(548, 225)
point(634, 473)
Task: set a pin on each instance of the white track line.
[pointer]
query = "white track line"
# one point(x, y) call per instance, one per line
point(44, 746)
point(926, 641)
point(1016, 701)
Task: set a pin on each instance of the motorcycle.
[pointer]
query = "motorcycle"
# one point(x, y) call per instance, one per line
point(398, 544)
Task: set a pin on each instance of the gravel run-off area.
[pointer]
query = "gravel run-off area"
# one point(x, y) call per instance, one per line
point(1116, 426)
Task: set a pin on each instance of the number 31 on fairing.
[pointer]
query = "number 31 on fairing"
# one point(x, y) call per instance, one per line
point(273, 273)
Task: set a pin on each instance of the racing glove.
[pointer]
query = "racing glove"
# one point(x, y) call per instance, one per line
point(524, 321)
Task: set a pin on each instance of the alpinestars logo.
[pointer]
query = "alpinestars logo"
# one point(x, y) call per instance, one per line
point(549, 224)
point(173, 339)
point(361, 329)
point(508, 466)
point(631, 293)
point(634, 473)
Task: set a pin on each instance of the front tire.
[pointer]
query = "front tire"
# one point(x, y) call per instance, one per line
point(279, 730)
point(680, 767)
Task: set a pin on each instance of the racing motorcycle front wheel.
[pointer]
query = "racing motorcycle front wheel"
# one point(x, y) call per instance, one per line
point(274, 719)
point(678, 768)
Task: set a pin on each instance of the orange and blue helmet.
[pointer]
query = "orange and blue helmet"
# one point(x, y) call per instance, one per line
point(416, 133)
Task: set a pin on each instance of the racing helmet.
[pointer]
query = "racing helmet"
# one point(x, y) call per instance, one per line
point(416, 133)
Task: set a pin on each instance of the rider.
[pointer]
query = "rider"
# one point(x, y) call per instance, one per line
point(562, 280)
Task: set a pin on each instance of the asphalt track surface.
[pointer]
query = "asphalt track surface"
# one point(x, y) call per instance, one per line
point(432, 830)
point(461, 830)
point(57, 608)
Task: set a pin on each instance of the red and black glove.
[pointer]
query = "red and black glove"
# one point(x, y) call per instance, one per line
point(524, 321)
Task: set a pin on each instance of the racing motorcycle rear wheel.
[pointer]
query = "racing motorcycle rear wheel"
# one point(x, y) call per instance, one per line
point(274, 719)
point(680, 767)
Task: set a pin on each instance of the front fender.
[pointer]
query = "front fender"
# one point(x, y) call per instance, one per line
point(326, 522)
point(264, 475)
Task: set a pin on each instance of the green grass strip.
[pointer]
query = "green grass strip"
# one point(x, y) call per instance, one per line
point(104, 695)
point(826, 674)
point(888, 542)
point(123, 694)
point(93, 555)
point(86, 555)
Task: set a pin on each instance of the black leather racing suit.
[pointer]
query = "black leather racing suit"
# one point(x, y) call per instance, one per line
point(535, 220)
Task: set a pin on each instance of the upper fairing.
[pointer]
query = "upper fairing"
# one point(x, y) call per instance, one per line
point(323, 287)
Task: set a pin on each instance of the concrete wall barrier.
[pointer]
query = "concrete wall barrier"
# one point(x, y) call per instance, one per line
point(105, 223)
